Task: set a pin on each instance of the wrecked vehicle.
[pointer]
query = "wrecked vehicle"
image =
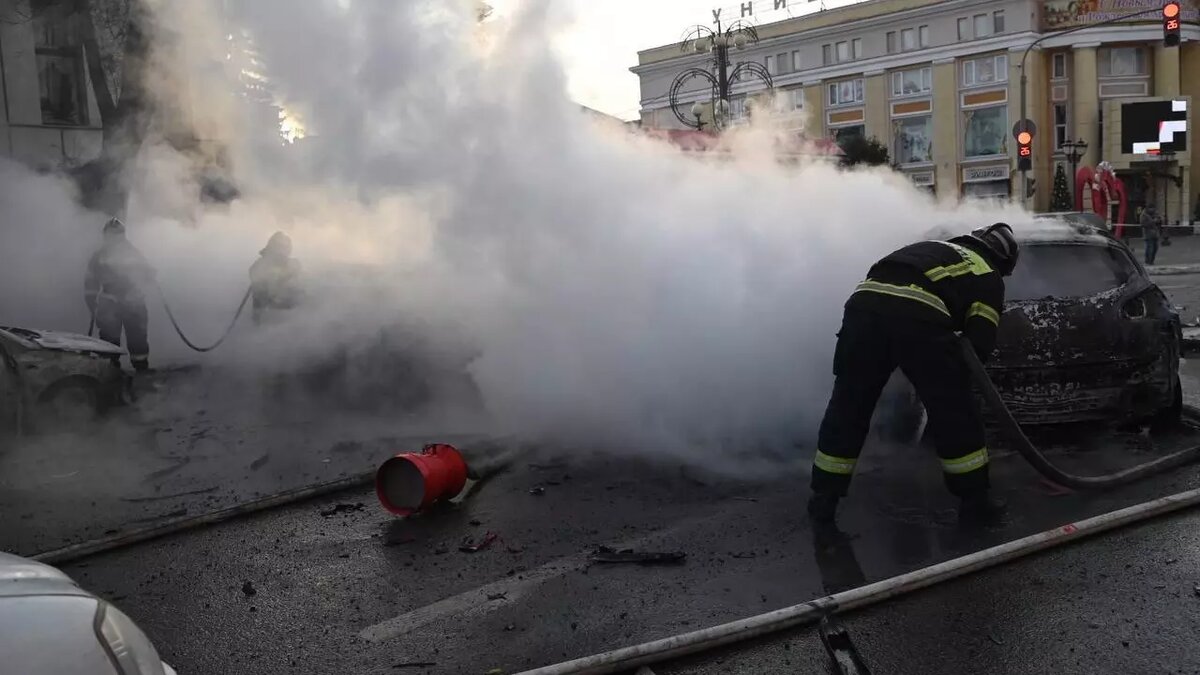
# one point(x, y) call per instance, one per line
point(1085, 336)
point(50, 378)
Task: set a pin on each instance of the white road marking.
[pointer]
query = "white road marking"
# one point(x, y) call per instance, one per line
point(506, 591)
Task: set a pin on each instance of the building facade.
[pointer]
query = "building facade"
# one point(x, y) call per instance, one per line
point(938, 81)
point(49, 116)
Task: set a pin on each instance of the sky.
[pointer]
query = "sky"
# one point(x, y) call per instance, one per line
point(600, 47)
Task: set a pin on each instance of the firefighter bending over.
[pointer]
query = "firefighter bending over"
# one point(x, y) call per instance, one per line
point(906, 315)
point(114, 290)
point(274, 278)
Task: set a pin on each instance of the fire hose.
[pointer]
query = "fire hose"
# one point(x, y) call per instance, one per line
point(1038, 461)
point(189, 343)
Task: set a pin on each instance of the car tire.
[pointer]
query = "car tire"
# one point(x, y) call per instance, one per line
point(1171, 416)
point(72, 405)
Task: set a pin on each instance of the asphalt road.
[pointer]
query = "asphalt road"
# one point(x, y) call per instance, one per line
point(358, 591)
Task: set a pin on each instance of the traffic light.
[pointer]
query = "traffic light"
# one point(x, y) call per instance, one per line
point(1171, 24)
point(1024, 150)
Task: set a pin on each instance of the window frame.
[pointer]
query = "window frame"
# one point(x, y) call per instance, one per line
point(892, 42)
point(834, 100)
point(838, 49)
point(70, 51)
point(897, 124)
point(1001, 133)
point(1065, 126)
point(922, 36)
point(977, 21)
point(964, 26)
point(909, 44)
point(1001, 71)
point(856, 49)
point(998, 22)
point(1141, 63)
point(827, 54)
point(769, 64)
point(924, 76)
point(797, 61)
point(1056, 59)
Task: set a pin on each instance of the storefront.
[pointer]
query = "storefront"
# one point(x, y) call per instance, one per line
point(986, 182)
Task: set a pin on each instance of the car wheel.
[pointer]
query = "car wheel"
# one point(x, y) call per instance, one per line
point(1170, 416)
point(71, 405)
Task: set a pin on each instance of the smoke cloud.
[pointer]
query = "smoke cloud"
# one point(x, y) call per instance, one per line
point(601, 289)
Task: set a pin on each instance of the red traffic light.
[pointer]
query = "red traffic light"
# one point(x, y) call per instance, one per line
point(1024, 138)
point(1171, 24)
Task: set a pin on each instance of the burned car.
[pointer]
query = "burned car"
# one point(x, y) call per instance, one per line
point(1085, 334)
point(49, 378)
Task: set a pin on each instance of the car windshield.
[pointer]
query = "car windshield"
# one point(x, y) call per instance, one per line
point(1068, 271)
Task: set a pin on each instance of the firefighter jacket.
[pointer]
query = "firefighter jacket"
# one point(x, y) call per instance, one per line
point(274, 282)
point(948, 283)
point(117, 272)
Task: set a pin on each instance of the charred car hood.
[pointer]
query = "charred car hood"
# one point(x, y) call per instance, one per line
point(1072, 331)
point(62, 342)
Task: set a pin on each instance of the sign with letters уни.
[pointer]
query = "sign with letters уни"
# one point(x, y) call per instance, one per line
point(768, 10)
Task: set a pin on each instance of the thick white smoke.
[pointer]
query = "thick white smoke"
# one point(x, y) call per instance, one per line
point(615, 293)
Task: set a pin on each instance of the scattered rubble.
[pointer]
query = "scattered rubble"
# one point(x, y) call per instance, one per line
point(604, 554)
point(472, 547)
point(343, 508)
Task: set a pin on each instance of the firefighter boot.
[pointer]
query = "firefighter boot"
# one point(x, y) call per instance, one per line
point(982, 509)
point(822, 507)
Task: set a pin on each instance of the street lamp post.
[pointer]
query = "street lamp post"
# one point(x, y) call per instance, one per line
point(1166, 156)
point(1074, 151)
point(718, 75)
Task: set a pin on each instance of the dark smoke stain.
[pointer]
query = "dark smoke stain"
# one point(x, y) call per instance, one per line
point(260, 462)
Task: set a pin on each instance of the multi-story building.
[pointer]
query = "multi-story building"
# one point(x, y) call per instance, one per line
point(938, 82)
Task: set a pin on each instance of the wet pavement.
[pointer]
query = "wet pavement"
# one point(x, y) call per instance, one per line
point(360, 591)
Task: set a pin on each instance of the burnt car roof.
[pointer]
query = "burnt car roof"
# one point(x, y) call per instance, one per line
point(61, 341)
point(1056, 231)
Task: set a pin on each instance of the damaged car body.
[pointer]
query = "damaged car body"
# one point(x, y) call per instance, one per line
point(1085, 336)
point(49, 377)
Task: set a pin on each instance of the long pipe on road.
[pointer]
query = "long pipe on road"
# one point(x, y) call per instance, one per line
point(666, 649)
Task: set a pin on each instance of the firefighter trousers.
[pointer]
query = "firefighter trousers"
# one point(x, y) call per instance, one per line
point(870, 347)
point(113, 316)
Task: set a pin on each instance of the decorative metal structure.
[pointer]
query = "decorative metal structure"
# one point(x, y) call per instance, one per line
point(1074, 150)
point(704, 40)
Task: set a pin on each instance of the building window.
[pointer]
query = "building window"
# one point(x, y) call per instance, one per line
point(856, 43)
point(985, 131)
point(795, 100)
point(923, 39)
point(1123, 62)
point(1059, 66)
point(986, 70)
point(912, 82)
point(737, 108)
point(891, 42)
point(783, 63)
point(983, 26)
point(844, 135)
point(1060, 125)
point(771, 65)
point(796, 60)
point(58, 47)
point(964, 30)
point(908, 39)
point(847, 92)
point(826, 54)
point(998, 21)
point(843, 51)
point(914, 139)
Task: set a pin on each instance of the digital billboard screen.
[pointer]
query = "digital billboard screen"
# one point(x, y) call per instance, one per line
point(1154, 127)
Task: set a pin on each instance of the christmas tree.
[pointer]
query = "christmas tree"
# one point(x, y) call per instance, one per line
point(1061, 199)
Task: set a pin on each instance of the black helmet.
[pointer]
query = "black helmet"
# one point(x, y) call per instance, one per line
point(1000, 241)
point(114, 225)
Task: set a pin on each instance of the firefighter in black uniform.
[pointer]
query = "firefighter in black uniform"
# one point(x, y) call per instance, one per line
point(906, 314)
point(114, 292)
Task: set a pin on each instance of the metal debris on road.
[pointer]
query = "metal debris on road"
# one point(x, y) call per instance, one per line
point(604, 554)
point(343, 508)
point(249, 589)
point(537, 491)
point(469, 547)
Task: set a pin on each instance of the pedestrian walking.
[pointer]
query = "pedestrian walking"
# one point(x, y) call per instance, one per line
point(1151, 232)
point(906, 314)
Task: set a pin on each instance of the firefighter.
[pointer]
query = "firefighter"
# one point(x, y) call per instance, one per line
point(274, 278)
point(114, 290)
point(906, 314)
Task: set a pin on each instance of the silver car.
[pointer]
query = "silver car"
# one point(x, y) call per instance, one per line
point(51, 626)
point(50, 378)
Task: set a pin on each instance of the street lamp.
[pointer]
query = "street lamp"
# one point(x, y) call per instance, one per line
point(705, 40)
point(1074, 151)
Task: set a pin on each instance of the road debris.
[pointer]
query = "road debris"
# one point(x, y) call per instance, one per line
point(498, 596)
point(249, 589)
point(468, 546)
point(343, 508)
point(537, 491)
point(604, 554)
point(260, 462)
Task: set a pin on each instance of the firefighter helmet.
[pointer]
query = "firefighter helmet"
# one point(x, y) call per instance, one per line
point(114, 225)
point(1000, 241)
